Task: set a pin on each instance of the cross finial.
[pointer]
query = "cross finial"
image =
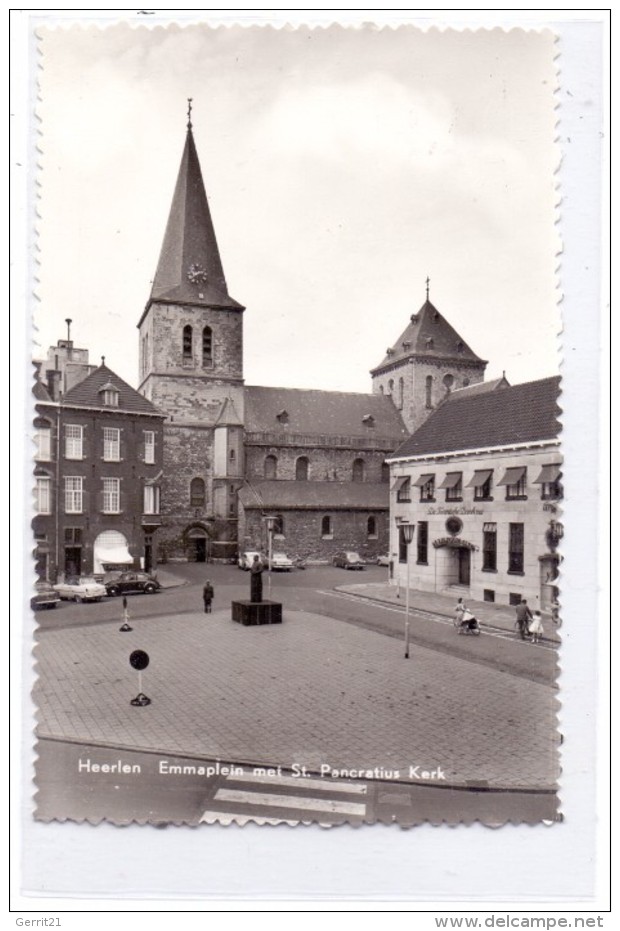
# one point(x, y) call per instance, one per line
point(189, 112)
point(103, 360)
point(428, 281)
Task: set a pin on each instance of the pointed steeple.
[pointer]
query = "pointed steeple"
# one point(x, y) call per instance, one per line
point(190, 269)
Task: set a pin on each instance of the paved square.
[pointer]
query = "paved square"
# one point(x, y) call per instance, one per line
point(312, 691)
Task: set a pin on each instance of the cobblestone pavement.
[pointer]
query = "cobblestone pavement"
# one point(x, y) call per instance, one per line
point(310, 691)
point(495, 615)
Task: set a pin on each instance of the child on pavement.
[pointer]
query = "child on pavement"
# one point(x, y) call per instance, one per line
point(536, 627)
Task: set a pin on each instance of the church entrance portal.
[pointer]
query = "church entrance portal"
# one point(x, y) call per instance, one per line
point(198, 544)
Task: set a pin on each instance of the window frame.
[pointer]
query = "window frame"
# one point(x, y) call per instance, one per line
point(74, 496)
point(149, 457)
point(489, 552)
point(74, 445)
point(43, 482)
point(371, 521)
point(153, 492)
point(110, 495)
point(516, 548)
point(196, 500)
point(207, 341)
point(302, 462)
point(327, 534)
point(422, 543)
point(427, 491)
point(43, 439)
point(455, 492)
point(107, 443)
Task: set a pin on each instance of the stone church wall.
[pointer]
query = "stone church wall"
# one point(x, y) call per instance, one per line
point(326, 463)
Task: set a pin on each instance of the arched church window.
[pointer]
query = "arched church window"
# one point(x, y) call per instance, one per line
point(271, 467)
point(372, 526)
point(448, 381)
point(429, 391)
point(358, 470)
point(187, 342)
point(278, 525)
point(391, 386)
point(401, 393)
point(207, 346)
point(381, 389)
point(301, 469)
point(197, 493)
point(385, 472)
point(327, 529)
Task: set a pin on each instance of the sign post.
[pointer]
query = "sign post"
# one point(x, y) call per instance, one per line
point(408, 530)
point(125, 625)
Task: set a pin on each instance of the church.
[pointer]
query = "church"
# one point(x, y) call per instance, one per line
point(242, 461)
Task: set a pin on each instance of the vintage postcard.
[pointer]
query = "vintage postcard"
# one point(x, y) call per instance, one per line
point(298, 474)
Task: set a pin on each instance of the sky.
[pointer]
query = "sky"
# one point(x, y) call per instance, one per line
point(342, 166)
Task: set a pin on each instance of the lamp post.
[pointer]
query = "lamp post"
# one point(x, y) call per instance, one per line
point(407, 537)
point(271, 521)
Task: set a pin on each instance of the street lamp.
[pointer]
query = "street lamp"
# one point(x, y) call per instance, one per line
point(271, 522)
point(407, 530)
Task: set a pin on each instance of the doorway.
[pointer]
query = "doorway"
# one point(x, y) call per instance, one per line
point(73, 560)
point(200, 549)
point(464, 566)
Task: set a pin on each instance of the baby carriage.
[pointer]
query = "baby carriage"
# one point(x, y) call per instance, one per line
point(466, 623)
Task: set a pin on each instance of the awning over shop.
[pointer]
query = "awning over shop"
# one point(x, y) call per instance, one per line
point(423, 480)
point(481, 476)
point(110, 549)
point(548, 474)
point(398, 484)
point(451, 480)
point(512, 476)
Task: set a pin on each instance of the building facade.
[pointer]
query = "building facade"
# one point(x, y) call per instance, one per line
point(480, 482)
point(234, 454)
point(98, 467)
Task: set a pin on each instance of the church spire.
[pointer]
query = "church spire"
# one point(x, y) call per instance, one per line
point(189, 268)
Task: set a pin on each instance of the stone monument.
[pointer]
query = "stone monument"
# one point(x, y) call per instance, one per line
point(257, 610)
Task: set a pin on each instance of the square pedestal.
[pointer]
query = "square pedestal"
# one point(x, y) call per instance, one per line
point(250, 613)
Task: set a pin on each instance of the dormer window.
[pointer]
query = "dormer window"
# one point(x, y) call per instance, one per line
point(390, 351)
point(406, 346)
point(368, 419)
point(414, 318)
point(460, 347)
point(436, 317)
point(109, 395)
point(430, 343)
point(282, 416)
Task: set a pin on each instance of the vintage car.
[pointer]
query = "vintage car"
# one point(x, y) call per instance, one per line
point(281, 563)
point(84, 588)
point(348, 560)
point(246, 559)
point(133, 583)
point(383, 560)
point(44, 597)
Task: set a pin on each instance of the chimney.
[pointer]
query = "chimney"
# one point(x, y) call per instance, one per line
point(53, 383)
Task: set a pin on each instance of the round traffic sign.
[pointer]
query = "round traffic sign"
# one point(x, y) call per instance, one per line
point(139, 659)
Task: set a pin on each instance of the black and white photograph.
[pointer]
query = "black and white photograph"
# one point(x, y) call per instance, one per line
point(298, 468)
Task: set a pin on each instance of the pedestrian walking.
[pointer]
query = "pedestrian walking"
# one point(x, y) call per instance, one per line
point(524, 616)
point(207, 596)
point(536, 627)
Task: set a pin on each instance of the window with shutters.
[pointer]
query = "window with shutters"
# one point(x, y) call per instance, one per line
point(111, 503)
point(187, 344)
point(74, 493)
point(111, 444)
point(207, 347)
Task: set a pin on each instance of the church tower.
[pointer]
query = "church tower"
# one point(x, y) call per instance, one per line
point(426, 363)
point(191, 368)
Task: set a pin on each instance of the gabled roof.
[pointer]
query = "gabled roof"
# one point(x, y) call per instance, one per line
point(88, 393)
point(429, 334)
point(297, 410)
point(190, 269)
point(524, 413)
point(283, 495)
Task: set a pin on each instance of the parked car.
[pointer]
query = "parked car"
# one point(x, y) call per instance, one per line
point(246, 559)
point(84, 588)
point(281, 563)
point(44, 597)
point(130, 583)
point(383, 560)
point(348, 560)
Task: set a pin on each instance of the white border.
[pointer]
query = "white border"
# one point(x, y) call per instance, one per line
point(531, 868)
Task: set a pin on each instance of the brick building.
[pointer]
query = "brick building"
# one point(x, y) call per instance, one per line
point(234, 454)
point(480, 482)
point(98, 463)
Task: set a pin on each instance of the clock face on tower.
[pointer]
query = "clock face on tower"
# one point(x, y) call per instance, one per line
point(197, 274)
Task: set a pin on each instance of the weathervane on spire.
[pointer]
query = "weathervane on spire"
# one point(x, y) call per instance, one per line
point(189, 112)
point(428, 281)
